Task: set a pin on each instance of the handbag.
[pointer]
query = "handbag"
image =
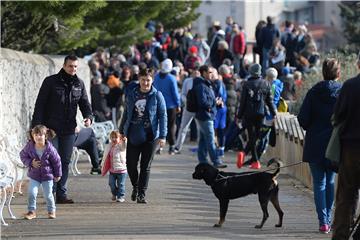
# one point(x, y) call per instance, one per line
point(333, 150)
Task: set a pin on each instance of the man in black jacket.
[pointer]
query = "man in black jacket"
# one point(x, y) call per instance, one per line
point(255, 101)
point(347, 112)
point(56, 107)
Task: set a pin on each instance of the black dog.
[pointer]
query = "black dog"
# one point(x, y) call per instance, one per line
point(230, 185)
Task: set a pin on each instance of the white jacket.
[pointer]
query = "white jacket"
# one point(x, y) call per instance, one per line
point(118, 161)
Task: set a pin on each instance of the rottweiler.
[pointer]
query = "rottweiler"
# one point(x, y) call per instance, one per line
point(230, 185)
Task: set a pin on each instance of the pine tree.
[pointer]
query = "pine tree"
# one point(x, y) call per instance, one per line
point(350, 12)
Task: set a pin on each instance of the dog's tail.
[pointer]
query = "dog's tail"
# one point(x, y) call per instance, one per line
point(274, 164)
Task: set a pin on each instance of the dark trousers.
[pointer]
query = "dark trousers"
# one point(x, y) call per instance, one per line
point(146, 150)
point(347, 189)
point(253, 127)
point(86, 140)
point(171, 125)
point(64, 146)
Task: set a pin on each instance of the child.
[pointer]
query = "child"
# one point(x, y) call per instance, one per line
point(44, 164)
point(114, 160)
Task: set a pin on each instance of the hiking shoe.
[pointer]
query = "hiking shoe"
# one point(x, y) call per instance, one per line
point(30, 215)
point(220, 165)
point(51, 215)
point(95, 171)
point(134, 194)
point(113, 198)
point(64, 201)
point(141, 199)
point(324, 229)
point(240, 159)
point(121, 199)
point(255, 165)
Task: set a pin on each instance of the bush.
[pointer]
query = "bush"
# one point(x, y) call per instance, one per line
point(348, 70)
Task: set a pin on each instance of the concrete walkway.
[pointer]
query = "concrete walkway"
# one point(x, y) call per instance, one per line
point(179, 208)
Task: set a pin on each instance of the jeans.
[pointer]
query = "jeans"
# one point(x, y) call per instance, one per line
point(206, 141)
point(86, 140)
point(117, 184)
point(323, 186)
point(171, 118)
point(64, 146)
point(186, 119)
point(147, 151)
point(265, 60)
point(263, 141)
point(253, 127)
point(47, 190)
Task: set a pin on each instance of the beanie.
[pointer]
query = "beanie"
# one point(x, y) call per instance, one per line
point(255, 70)
point(166, 66)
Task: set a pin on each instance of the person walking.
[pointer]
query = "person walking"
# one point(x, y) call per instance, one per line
point(256, 100)
point(44, 164)
point(114, 160)
point(144, 124)
point(166, 83)
point(347, 112)
point(205, 115)
point(315, 117)
point(187, 117)
point(56, 108)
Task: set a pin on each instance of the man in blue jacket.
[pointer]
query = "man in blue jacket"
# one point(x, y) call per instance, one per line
point(206, 105)
point(56, 108)
point(166, 83)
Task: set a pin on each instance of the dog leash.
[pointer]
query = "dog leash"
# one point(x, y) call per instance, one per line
point(256, 172)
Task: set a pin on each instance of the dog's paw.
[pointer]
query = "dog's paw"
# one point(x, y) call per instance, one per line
point(258, 226)
point(217, 225)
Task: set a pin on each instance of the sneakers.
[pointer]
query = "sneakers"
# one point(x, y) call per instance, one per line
point(134, 194)
point(255, 165)
point(171, 150)
point(220, 152)
point(159, 151)
point(95, 171)
point(121, 199)
point(30, 215)
point(177, 151)
point(141, 199)
point(220, 165)
point(51, 215)
point(113, 198)
point(324, 229)
point(240, 159)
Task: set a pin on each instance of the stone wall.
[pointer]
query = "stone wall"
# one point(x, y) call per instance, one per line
point(21, 75)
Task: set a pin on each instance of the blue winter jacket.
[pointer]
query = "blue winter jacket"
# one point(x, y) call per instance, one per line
point(268, 34)
point(205, 99)
point(167, 85)
point(315, 117)
point(155, 106)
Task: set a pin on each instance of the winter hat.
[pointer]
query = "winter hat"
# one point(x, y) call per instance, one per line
point(271, 73)
point(193, 49)
point(166, 66)
point(285, 71)
point(255, 70)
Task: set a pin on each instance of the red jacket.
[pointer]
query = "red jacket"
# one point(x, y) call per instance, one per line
point(239, 44)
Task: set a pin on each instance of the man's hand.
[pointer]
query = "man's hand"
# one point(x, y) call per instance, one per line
point(123, 137)
point(162, 142)
point(87, 122)
point(35, 163)
point(56, 179)
point(178, 110)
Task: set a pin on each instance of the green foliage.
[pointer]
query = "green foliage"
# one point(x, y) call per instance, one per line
point(55, 27)
point(350, 12)
point(348, 70)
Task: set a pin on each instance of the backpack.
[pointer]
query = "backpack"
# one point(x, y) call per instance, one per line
point(256, 104)
point(191, 101)
point(283, 106)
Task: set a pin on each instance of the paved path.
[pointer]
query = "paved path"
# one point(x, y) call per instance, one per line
point(179, 208)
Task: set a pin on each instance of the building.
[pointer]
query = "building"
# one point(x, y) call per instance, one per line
point(322, 17)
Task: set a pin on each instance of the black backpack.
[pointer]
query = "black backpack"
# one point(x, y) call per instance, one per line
point(191, 101)
point(255, 108)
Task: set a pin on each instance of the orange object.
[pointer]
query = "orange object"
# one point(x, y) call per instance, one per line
point(240, 159)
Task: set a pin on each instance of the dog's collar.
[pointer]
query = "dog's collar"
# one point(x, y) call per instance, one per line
point(219, 178)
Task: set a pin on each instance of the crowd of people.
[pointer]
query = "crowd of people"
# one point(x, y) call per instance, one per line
point(159, 89)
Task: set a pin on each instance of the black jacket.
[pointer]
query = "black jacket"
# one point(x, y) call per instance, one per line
point(255, 83)
point(57, 102)
point(347, 109)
